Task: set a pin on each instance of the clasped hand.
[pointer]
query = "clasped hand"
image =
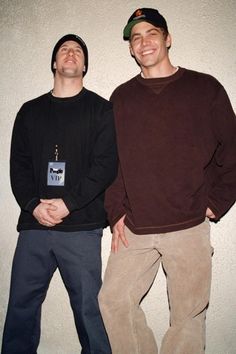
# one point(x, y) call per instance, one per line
point(50, 212)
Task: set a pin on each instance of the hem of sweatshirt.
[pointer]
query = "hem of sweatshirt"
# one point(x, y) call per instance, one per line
point(64, 228)
point(143, 230)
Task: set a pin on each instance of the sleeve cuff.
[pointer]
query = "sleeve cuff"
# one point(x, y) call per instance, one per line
point(31, 205)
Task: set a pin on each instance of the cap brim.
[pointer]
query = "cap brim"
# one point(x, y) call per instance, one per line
point(129, 26)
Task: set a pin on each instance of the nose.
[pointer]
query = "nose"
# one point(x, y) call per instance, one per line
point(71, 51)
point(145, 40)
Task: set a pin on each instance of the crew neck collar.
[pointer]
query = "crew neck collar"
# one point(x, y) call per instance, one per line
point(173, 77)
point(67, 99)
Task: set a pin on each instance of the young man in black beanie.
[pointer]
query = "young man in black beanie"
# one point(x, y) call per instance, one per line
point(176, 137)
point(63, 157)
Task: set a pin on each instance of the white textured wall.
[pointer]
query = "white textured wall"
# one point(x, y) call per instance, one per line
point(203, 39)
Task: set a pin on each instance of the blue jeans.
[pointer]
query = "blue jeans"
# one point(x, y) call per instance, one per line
point(38, 254)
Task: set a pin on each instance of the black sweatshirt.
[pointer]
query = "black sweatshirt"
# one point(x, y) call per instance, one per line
point(82, 127)
point(176, 140)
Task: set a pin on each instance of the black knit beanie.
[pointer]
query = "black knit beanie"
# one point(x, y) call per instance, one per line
point(75, 38)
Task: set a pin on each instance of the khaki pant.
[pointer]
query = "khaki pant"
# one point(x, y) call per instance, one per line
point(186, 259)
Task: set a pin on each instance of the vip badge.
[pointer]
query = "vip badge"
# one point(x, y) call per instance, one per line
point(56, 173)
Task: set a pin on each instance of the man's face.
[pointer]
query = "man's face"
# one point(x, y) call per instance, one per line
point(69, 60)
point(148, 44)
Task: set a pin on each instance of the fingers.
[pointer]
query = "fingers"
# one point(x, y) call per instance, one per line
point(210, 214)
point(124, 239)
point(56, 210)
point(43, 216)
point(47, 220)
point(50, 221)
point(56, 207)
point(49, 203)
point(118, 234)
point(115, 243)
point(48, 224)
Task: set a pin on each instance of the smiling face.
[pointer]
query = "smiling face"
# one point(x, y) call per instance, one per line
point(149, 45)
point(69, 60)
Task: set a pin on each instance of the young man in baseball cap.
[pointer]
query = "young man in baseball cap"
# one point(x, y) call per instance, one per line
point(176, 134)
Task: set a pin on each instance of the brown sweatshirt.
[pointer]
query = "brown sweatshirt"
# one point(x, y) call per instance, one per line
point(177, 150)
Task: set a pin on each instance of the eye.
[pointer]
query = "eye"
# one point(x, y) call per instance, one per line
point(135, 39)
point(63, 49)
point(153, 33)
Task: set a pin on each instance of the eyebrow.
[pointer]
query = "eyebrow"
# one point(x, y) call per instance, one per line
point(157, 29)
point(76, 46)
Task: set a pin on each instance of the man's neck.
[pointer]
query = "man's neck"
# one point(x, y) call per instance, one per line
point(159, 71)
point(67, 87)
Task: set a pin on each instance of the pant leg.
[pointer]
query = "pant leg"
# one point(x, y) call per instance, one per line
point(32, 269)
point(128, 277)
point(186, 257)
point(79, 261)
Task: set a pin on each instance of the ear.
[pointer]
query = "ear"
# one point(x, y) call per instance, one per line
point(84, 69)
point(168, 41)
point(131, 50)
point(54, 65)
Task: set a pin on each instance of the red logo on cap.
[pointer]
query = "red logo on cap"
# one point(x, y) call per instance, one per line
point(138, 13)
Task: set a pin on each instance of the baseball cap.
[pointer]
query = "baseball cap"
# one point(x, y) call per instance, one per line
point(144, 14)
point(75, 38)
